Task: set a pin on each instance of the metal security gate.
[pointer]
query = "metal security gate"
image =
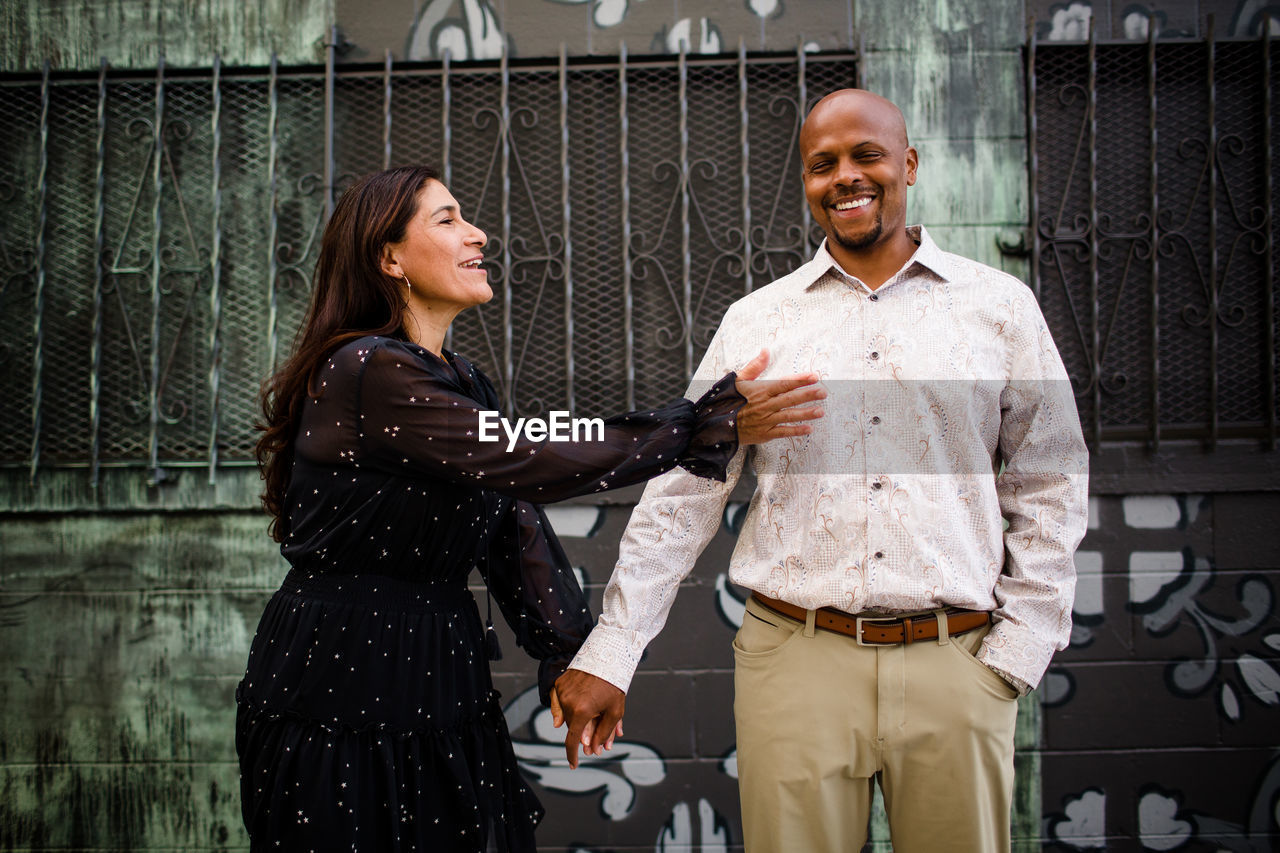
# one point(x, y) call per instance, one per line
point(1153, 214)
point(158, 231)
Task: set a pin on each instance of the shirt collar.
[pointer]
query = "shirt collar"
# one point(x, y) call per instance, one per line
point(927, 255)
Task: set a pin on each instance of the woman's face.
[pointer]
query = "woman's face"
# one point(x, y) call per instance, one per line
point(440, 254)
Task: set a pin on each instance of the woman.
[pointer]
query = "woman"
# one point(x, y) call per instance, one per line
point(367, 719)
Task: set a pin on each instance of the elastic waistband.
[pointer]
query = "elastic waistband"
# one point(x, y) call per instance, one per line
point(379, 591)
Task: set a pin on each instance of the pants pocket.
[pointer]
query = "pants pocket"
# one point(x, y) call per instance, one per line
point(966, 646)
point(763, 633)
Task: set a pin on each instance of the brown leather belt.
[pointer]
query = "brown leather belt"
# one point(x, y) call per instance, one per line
point(881, 630)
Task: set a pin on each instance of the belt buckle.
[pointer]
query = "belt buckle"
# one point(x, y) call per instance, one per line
point(857, 627)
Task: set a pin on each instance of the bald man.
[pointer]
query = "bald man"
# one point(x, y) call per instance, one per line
point(893, 619)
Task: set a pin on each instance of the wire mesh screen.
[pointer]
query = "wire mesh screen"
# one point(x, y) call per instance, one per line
point(1155, 234)
point(159, 231)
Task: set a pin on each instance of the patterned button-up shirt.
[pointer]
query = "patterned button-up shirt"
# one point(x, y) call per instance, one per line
point(948, 414)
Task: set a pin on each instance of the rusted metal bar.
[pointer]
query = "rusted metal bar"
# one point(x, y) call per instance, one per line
point(1033, 160)
point(1095, 332)
point(1268, 206)
point(99, 238)
point(215, 272)
point(386, 110)
point(624, 176)
point(744, 142)
point(508, 343)
point(686, 271)
point(1153, 166)
point(42, 207)
point(157, 186)
point(1211, 120)
point(566, 231)
point(330, 61)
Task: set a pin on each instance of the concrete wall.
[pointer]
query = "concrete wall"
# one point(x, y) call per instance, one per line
point(79, 34)
point(125, 634)
point(1160, 719)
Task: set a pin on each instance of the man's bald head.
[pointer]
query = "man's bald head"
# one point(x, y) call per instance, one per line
point(873, 107)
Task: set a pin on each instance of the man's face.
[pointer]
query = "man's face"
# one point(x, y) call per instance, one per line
point(857, 167)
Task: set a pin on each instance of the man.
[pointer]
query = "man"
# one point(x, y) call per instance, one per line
point(893, 621)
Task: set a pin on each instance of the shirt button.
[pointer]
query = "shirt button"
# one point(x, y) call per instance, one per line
point(874, 356)
point(874, 298)
point(879, 555)
point(877, 484)
point(876, 419)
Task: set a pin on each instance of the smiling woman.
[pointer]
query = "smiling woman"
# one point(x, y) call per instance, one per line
point(367, 717)
point(441, 251)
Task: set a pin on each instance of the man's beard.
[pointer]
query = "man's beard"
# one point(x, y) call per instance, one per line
point(864, 240)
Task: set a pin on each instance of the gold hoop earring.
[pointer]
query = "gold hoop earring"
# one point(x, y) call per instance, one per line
point(407, 285)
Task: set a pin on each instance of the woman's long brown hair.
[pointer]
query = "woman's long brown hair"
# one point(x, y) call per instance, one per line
point(350, 297)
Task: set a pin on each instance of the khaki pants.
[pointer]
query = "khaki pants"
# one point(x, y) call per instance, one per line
point(820, 717)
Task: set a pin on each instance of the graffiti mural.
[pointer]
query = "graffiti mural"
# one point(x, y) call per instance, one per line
point(1114, 19)
point(481, 29)
point(1178, 599)
point(614, 776)
point(1159, 718)
point(465, 29)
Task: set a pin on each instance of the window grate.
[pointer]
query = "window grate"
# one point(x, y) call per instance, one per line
point(158, 231)
point(1154, 234)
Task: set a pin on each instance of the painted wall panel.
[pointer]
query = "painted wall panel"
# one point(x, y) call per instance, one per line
point(1065, 20)
point(127, 635)
point(135, 33)
point(169, 806)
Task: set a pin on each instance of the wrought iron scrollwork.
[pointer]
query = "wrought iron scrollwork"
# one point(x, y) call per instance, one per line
point(17, 267)
point(778, 246)
point(209, 196)
point(1122, 276)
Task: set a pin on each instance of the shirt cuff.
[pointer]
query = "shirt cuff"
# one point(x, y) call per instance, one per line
point(1012, 680)
point(1012, 654)
point(610, 653)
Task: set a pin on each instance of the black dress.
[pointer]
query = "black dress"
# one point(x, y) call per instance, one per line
point(367, 719)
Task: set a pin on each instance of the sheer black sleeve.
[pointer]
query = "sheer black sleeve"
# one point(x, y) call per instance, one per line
point(418, 416)
point(530, 577)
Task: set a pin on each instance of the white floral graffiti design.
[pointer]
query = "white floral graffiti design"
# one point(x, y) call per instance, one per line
point(711, 836)
point(615, 774)
point(1082, 826)
point(605, 13)
point(472, 31)
point(1174, 596)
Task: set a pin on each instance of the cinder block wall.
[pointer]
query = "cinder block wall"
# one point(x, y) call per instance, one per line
point(1160, 720)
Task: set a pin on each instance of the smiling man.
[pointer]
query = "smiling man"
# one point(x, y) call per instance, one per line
point(857, 167)
point(893, 619)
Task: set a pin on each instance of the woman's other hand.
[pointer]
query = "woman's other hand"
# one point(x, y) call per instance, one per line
point(776, 408)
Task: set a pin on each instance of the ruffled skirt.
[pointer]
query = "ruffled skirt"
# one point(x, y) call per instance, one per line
point(367, 721)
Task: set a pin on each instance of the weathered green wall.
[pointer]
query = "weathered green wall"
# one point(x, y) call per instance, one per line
point(955, 69)
point(124, 636)
point(77, 34)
